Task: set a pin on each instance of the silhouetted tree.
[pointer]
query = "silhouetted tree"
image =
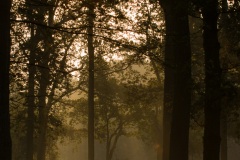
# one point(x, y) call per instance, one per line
point(224, 112)
point(177, 96)
point(5, 41)
point(213, 95)
point(90, 80)
point(31, 106)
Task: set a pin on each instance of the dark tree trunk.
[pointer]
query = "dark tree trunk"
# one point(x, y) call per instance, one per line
point(212, 107)
point(43, 119)
point(44, 82)
point(90, 81)
point(42, 105)
point(5, 41)
point(179, 28)
point(177, 77)
point(31, 106)
point(168, 93)
point(43, 95)
point(167, 115)
point(223, 122)
point(36, 36)
point(31, 93)
point(224, 144)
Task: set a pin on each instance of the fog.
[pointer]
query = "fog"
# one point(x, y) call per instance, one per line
point(127, 149)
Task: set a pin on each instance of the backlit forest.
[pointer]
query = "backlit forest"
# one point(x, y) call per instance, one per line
point(119, 80)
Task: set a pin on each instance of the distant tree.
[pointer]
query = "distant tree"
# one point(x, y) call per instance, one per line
point(110, 123)
point(119, 107)
point(154, 51)
point(5, 41)
point(90, 40)
point(31, 106)
point(44, 59)
point(46, 74)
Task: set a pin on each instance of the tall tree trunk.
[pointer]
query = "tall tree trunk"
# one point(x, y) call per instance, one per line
point(43, 111)
point(179, 27)
point(44, 83)
point(5, 41)
point(167, 101)
point(167, 117)
point(224, 143)
point(90, 81)
point(223, 122)
point(212, 81)
point(43, 119)
point(31, 88)
point(31, 105)
point(42, 97)
point(177, 77)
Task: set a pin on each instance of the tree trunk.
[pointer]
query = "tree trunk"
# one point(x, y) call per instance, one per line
point(182, 83)
point(167, 118)
point(42, 97)
point(168, 91)
point(212, 81)
point(90, 81)
point(223, 122)
point(31, 89)
point(43, 119)
point(30, 106)
point(43, 111)
point(177, 77)
point(5, 41)
point(224, 144)
point(44, 83)
point(167, 101)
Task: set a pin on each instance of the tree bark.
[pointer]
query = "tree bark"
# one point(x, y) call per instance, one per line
point(168, 90)
point(30, 106)
point(42, 105)
point(31, 89)
point(177, 77)
point(223, 122)
point(212, 106)
point(224, 143)
point(90, 81)
point(5, 41)
point(44, 82)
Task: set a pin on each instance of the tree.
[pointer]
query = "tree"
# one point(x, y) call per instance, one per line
point(90, 80)
point(212, 107)
point(5, 40)
point(49, 55)
point(229, 39)
point(154, 51)
point(177, 82)
point(224, 112)
point(31, 106)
